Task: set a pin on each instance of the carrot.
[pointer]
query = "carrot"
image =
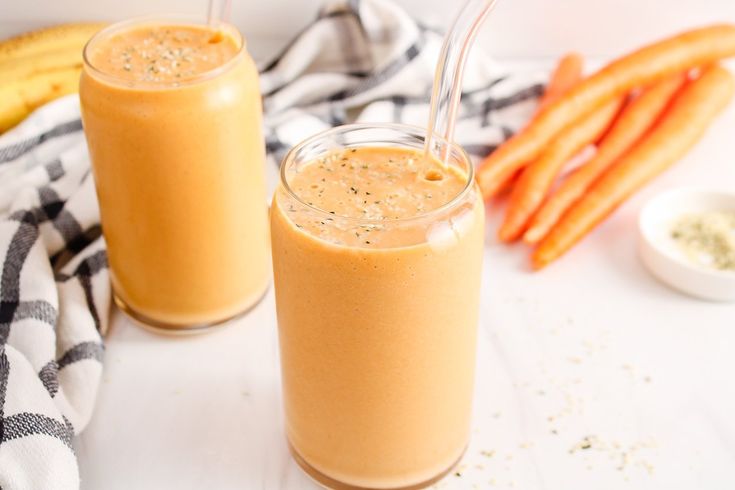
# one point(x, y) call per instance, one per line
point(676, 54)
point(508, 182)
point(677, 131)
point(537, 178)
point(568, 73)
point(634, 120)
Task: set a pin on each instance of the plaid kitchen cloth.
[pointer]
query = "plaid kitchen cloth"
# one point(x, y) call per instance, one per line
point(365, 61)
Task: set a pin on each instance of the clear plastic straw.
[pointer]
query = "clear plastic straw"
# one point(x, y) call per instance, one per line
point(219, 11)
point(447, 88)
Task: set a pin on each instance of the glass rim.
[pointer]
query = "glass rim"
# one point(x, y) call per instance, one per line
point(409, 129)
point(182, 19)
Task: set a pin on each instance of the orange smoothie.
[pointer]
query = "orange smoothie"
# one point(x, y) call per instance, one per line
point(377, 256)
point(172, 115)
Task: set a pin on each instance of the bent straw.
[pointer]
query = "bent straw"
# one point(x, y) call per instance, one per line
point(447, 88)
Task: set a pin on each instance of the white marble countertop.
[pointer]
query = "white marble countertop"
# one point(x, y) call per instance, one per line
point(593, 347)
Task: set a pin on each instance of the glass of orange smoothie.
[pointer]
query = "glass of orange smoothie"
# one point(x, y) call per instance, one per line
point(172, 114)
point(377, 256)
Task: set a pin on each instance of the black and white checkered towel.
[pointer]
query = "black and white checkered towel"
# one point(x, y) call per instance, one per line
point(365, 61)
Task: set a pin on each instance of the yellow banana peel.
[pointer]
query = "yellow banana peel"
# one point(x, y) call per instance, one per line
point(39, 66)
point(19, 98)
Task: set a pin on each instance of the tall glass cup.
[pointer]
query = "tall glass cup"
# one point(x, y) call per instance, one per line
point(178, 161)
point(377, 341)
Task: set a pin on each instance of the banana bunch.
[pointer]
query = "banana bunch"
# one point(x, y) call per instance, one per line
point(39, 66)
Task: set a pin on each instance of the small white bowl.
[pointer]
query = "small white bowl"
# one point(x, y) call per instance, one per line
point(662, 255)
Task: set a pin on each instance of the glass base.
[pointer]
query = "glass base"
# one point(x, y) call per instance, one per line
point(330, 483)
point(158, 327)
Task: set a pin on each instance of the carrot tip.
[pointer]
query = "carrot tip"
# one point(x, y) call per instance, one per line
point(489, 190)
point(538, 262)
point(532, 236)
point(508, 234)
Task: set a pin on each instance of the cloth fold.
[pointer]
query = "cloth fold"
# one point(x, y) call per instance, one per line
point(365, 61)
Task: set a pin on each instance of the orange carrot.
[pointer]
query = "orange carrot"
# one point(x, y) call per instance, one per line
point(537, 178)
point(634, 120)
point(568, 73)
point(683, 123)
point(508, 182)
point(641, 68)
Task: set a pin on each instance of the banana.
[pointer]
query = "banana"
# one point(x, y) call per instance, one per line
point(18, 98)
point(27, 66)
point(59, 37)
point(39, 66)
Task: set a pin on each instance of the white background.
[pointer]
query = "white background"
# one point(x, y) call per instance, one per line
point(525, 28)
